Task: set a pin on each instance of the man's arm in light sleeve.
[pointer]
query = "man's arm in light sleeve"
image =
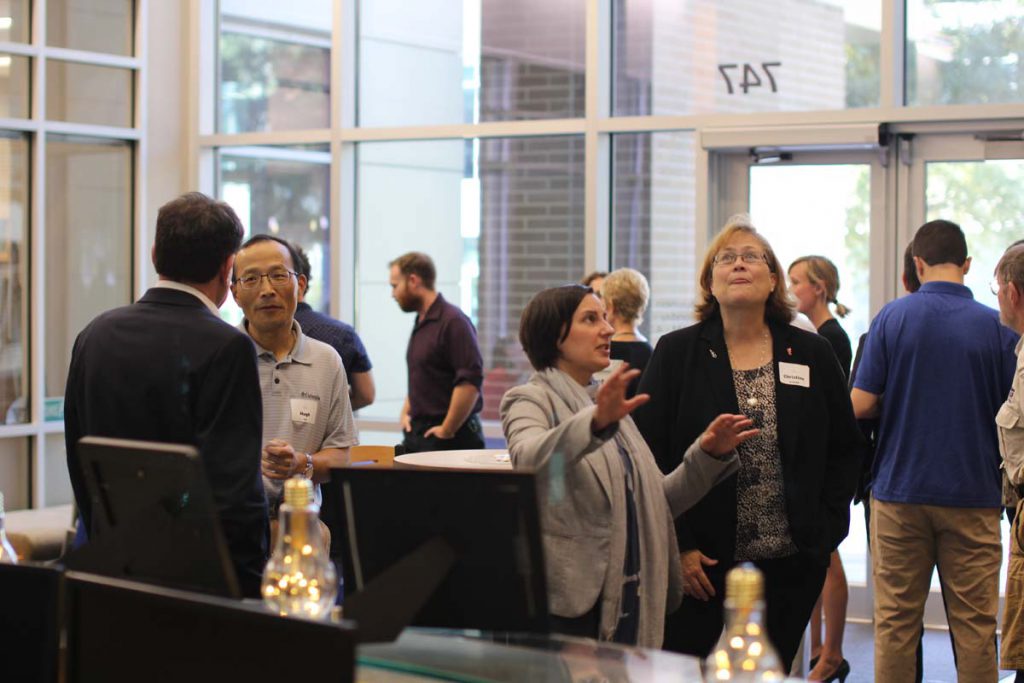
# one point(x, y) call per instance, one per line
point(341, 432)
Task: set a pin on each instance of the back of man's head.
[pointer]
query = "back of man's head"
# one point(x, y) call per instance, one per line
point(419, 264)
point(302, 266)
point(194, 236)
point(940, 242)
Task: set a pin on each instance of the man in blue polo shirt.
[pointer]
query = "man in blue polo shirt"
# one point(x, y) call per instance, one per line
point(935, 370)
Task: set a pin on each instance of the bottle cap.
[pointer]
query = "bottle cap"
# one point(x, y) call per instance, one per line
point(744, 584)
point(298, 492)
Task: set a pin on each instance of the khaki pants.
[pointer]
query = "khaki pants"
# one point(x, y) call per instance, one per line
point(1012, 652)
point(907, 541)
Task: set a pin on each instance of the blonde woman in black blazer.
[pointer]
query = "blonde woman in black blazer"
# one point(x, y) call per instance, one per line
point(788, 506)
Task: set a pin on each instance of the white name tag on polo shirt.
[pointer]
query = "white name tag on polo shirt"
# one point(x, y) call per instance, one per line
point(795, 374)
point(304, 410)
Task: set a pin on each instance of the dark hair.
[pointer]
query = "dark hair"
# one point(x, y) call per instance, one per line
point(302, 265)
point(256, 239)
point(419, 264)
point(910, 280)
point(590, 277)
point(546, 321)
point(939, 242)
point(194, 236)
point(777, 308)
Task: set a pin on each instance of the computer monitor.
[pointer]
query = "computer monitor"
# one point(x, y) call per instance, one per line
point(441, 548)
point(153, 517)
point(122, 632)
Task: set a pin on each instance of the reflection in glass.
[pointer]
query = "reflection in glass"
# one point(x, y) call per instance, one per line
point(86, 93)
point(984, 199)
point(14, 21)
point(965, 51)
point(14, 86)
point(88, 241)
point(502, 219)
point(92, 26)
point(715, 56)
point(467, 61)
point(653, 216)
point(286, 193)
point(273, 84)
point(14, 285)
point(14, 472)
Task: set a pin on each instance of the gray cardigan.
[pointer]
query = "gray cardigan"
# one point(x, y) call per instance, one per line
point(583, 507)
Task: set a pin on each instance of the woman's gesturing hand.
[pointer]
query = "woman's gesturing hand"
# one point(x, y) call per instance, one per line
point(612, 404)
point(726, 432)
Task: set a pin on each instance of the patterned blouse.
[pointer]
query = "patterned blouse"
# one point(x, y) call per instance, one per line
point(762, 528)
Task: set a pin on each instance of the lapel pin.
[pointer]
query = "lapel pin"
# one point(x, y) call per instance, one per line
point(789, 350)
point(713, 354)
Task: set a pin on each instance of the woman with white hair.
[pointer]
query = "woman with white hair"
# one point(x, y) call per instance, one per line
point(625, 293)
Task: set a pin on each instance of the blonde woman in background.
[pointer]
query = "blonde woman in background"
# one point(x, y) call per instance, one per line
point(625, 293)
point(814, 283)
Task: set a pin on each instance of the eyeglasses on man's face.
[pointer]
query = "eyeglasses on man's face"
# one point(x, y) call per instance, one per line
point(277, 278)
point(994, 286)
point(727, 258)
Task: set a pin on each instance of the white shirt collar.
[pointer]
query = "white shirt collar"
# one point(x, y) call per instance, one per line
point(182, 287)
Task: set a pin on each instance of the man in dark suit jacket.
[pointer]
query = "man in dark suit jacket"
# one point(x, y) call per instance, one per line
point(168, 369)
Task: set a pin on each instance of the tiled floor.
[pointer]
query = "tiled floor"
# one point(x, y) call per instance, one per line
point(938, 656)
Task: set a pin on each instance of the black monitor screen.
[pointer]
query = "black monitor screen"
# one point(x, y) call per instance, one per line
point(153, 517)
point(489, 520)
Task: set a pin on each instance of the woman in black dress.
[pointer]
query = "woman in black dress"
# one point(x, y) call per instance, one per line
point(814, 283)
point(625, 293)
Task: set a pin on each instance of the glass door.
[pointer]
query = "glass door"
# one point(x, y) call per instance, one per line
point(974, 180)
point(828, 203)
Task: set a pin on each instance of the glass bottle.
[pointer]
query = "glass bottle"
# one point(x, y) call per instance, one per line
point(7, 554)
point(743, 652)
point(299, 579)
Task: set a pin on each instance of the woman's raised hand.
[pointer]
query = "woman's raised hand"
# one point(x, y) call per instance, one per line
point(612, 404)
point(726, 432)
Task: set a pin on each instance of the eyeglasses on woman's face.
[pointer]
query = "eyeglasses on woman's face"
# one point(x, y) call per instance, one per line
point(729, 257)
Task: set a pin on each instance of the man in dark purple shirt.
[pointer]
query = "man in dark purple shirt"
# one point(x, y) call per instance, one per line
point(444, 362)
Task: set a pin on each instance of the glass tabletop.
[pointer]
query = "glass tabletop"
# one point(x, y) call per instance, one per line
point(475, 657)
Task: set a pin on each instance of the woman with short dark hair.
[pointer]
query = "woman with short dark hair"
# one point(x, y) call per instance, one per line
point(788, 506)
point(606, 509)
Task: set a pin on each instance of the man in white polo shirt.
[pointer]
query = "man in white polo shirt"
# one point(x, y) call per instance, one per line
point(307, 418)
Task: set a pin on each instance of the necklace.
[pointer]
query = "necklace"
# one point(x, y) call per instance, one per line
point(765, 351)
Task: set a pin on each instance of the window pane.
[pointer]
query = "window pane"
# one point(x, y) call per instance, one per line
point(56, 481)
point(14, 85)
point(14, 284)
point(502, 219)
point(14, 472)
point(275, 79)
point(286, 193)
point(85, 93)
point(88, 243)
point(653, 214)
point(984, 198)
point(14, 21)
point(464, 61)
point(964, 52)
point(709, 56)
point(91, 25)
